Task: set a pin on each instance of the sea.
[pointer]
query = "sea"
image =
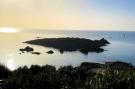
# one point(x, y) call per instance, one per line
point(122, 48)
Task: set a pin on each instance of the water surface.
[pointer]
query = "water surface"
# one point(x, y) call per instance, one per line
point(122, 48)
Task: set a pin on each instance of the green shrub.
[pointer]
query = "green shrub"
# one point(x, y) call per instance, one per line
point(4, 71)
point(66, 77)
point(112, 79)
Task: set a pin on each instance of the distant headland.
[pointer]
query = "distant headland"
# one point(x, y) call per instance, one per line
point(71, 44)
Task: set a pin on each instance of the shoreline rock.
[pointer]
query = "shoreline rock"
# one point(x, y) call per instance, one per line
point(27, 49)
point(37, 53)
point(50, 52)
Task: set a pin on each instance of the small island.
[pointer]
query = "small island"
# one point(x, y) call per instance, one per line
point(50, 52)
point(71, 44)
point(29, 49)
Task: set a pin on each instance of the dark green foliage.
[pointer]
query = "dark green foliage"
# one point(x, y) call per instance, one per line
point(4, 71)
point(112, 79)
point(91, 65)
point(68, 77)
point(35, 77)
point(35, 69)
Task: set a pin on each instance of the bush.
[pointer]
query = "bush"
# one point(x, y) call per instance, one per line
point(4, 71)
point(67, 77)
point(112, 79)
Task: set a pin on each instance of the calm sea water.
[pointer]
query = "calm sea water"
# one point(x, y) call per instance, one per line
point(122, 48)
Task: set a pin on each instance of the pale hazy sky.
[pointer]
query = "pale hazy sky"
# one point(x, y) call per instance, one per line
point(68, 14)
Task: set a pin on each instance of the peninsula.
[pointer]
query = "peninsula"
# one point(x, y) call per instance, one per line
point(71, 44)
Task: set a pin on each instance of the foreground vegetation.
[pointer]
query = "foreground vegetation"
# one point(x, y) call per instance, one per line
point(66, 77)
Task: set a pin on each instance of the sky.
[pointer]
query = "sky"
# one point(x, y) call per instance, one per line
point(68, 14)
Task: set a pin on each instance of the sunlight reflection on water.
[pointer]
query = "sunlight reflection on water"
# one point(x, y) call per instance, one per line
point(10, 64)
point(120, 49)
